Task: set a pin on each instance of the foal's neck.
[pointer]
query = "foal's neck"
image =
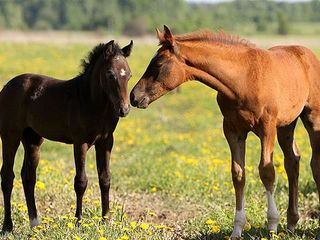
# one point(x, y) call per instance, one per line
point(92, 94)
point(220, 66)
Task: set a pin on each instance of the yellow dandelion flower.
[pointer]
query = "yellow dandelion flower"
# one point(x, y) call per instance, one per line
point(210, 222)
point(102, 238)
point(144, 226)
point(216, 188)
point(249, 168)
point(152, 214)
point(153, 189)
point(133, 224)
point(97, 218)
point(215, 229)
point(247, 226)
point(40, 185)
point(70, 225)
point(40, 227)
point(125, 237)
point(77, 238)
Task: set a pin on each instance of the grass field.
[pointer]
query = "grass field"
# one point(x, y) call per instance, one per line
point(170, 167)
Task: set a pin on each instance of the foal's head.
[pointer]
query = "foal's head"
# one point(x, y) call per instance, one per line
point(111, 73)
point(165, 72)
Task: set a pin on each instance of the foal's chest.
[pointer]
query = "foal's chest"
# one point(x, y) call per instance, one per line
point(238, 113)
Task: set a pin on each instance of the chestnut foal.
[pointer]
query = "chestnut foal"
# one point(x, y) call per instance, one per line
point(83, 111)
point(264, 91)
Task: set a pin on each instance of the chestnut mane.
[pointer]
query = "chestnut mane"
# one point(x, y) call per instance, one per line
point(206, 36)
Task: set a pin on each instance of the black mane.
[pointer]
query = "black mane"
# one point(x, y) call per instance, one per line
point(96, 52)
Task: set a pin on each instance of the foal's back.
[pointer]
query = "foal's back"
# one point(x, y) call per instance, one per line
point(31, 100)
point(292, 80)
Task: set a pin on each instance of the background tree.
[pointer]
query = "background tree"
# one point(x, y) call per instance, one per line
point(283, 27)
point(142, 16)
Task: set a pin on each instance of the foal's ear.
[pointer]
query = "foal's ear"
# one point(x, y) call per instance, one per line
point(166, 36)
point(109, 48)
point(160, 36)
point(127, 49)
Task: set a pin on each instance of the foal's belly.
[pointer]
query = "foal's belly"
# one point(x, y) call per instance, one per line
point(291, 101)
point(49, 122)
point(52, 133)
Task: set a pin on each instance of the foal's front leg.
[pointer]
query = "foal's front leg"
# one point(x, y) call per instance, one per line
point(267, 173)
point(80, 180)
point(237, 139)
point(103, 152)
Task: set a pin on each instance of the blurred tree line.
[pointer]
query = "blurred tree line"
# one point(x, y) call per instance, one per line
point(137, 17)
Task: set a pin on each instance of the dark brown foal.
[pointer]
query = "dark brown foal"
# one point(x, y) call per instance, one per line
point(83, 111)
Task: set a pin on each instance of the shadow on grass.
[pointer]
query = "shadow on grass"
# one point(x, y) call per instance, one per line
point(258, 233)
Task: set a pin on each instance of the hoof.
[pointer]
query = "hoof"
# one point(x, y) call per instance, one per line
point(235, 235)
point(291, 228)
point(235, 238)
point(273, 224)
point(34, 222)
point(7, 227)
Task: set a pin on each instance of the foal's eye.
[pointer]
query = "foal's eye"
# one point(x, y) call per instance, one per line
point(110, 75)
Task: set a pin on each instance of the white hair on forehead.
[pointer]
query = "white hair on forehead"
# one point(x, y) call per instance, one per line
point(122, 72)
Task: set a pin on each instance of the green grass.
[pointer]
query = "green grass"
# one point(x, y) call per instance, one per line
point(170, 167)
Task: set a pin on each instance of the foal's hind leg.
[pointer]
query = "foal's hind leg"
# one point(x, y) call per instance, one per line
point(291, 162)
point(80, 180)
point(31, 143)
point(311, 121)
point(10, 145)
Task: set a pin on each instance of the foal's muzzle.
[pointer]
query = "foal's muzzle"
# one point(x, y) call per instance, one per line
point(139, 101)
point(124, 110)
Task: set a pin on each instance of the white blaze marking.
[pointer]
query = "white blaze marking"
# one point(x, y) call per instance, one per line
point(122, 72)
